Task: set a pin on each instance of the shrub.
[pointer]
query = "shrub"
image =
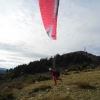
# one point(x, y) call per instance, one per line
point(84, 65)
point(32, 78)
point(16, 84)
point(42, 78)
point(6, 96)
point(72, 68)
point(6, 89)
point(29, 79)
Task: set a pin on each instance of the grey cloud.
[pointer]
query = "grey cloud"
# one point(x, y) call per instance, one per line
point(2, 60)
point(20, 51)
point(9, 47)
point(34, 55)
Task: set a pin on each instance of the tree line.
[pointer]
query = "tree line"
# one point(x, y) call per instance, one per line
point(62, 61)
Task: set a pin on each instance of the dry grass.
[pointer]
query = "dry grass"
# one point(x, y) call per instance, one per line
point(75, 86)
point(33, 78)
point(41, 88)
point(85, 85)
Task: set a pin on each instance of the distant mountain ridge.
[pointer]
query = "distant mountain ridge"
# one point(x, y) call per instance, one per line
point(3, 70)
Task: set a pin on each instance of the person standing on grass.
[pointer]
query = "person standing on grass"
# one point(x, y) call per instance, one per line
point(56, 74)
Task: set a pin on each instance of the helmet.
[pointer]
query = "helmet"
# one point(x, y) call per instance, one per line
point(50, 68)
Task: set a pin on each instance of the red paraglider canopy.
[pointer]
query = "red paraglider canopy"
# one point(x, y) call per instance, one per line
point(49, 12)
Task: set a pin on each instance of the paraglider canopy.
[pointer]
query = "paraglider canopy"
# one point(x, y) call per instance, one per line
point(49, 12)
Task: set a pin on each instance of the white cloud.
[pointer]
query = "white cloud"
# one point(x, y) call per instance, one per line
point(78, 26)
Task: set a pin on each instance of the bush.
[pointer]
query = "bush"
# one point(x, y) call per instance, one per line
point(84, 66)
point(6, 96)
point(42, 78)
point(16, 84)
point(73, 68)
point(29, 79)
point(32, 78)
point(6, 89)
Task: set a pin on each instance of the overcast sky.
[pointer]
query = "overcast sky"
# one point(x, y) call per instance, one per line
point(23, 38)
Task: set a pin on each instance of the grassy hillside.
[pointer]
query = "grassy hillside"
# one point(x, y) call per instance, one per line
point(34, 82)
point(75, 86)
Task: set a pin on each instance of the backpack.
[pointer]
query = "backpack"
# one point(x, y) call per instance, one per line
point(57, 73)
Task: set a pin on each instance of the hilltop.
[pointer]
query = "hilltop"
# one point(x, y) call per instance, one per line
point(33, 81)
point(69, 61)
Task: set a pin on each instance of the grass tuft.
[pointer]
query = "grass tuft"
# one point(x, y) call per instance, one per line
point(41, 88)
point(34, 78)
point(85, 85)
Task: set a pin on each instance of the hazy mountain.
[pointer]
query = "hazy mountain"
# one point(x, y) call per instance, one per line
point(2, 70)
